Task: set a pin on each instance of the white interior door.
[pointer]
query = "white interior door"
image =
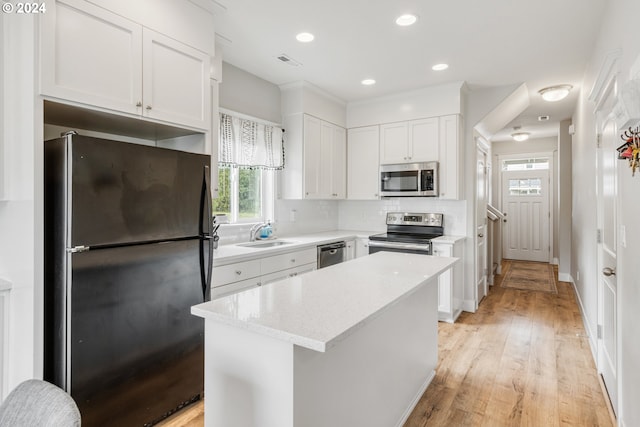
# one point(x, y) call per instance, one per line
point(607, 283)
point(525, 199)
point(481, 224)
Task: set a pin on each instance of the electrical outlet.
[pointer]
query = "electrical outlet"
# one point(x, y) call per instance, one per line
point(292, 215)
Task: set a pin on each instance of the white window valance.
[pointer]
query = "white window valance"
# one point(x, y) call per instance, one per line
point(247, 143)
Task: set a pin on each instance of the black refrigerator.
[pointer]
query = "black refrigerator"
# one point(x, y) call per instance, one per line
point(127, 253)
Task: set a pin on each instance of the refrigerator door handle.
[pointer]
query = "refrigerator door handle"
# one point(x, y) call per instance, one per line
point(207, 208)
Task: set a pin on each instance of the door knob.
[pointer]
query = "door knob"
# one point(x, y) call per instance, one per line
point(480, 235)
point(608, 271)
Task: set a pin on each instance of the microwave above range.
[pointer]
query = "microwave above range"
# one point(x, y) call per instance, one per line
point(409, 180)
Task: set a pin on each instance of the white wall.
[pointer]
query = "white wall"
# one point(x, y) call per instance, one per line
point(612, 36)
point(431, 101)
point(245, 93)
point(479, 103)
point(562, 220)
point(21, 217)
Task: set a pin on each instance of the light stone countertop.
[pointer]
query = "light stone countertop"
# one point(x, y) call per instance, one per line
point(448, 239)
point(317, 309)
point(229, 254)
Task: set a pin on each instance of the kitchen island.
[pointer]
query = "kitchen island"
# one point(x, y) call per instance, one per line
point(352, 344)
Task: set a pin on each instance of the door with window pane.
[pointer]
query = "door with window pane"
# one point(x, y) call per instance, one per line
point(525, 199)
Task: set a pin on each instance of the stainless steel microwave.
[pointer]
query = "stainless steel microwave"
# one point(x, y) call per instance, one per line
point(409, 180)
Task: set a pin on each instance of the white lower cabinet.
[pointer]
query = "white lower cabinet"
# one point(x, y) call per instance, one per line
point(350, 249)
point(231, 278)
point(362, 246)
point(450, 291)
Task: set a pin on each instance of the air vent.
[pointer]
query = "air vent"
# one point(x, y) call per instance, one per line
point(288, 60)
point(543, 118)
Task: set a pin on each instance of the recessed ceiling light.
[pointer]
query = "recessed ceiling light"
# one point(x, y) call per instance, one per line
point(440, 67)
point(555, 93)
point(406, 20)
point(368, 82)
point(305, 37)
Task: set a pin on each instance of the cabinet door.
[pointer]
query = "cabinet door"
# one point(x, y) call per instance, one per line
point(312, 141)
point(338, 163)
point(394, 143)
point(423, 140)
point(91, 56)
point(362, 247)
point(444, 282)
point(363, 164)
point(325, 167)
point(450, 185)
point(176, 82)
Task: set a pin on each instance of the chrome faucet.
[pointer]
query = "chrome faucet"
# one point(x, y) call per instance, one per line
point(254, 230)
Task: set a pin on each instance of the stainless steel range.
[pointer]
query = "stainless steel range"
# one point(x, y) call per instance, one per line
point(408, 232)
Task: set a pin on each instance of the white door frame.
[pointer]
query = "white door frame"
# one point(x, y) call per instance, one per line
point(552, 190)
point(481, 145)
point(603, 110)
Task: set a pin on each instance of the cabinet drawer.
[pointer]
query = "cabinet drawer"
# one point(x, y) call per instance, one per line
point(288, 260)
point(223, 291)
point(235, 272)
point(290, 272)
point(442, 250)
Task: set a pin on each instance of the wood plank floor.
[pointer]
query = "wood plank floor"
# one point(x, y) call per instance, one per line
point(521, 360)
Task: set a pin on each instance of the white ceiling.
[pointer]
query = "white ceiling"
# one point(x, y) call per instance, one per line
point(487, 43)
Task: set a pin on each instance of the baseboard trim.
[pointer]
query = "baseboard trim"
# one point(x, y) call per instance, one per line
point(607, 401)
point(564, 277)
point(416, 399)
point(585, 323)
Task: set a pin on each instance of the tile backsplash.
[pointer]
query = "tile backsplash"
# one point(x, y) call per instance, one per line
point(371, 214)
point(294, 217)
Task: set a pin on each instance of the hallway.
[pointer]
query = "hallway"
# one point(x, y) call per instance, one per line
point(521, 360)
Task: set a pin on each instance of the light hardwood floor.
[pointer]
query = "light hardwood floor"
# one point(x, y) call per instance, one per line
point(521, 360)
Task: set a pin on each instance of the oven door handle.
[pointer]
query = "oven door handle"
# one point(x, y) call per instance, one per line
point(393, 245)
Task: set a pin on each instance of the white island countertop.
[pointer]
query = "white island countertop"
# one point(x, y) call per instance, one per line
point(318, 309)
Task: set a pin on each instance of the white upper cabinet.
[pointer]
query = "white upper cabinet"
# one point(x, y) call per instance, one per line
point(362, 163)
point(315, 162)
point(313, 152)
point(98, 58)
point(450, 158)
point(175, 81)
point(409, 142)
point(91, 56)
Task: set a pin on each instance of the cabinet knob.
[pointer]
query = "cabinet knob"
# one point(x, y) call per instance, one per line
point(148, 107)
point(306, 194)
point(480, 235)
point(139, 104)
point(293, 260)
point(259, 284)
point(293, 274)
point(238, 272)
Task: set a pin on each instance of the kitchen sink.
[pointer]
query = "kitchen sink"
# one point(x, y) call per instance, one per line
point(260, 245)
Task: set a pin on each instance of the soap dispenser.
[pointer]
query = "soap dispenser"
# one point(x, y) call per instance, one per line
point(266, 231)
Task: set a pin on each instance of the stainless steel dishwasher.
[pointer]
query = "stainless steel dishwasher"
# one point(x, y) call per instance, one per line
point(333, 253)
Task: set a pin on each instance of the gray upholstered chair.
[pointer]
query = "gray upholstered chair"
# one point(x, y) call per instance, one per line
point(39, 403)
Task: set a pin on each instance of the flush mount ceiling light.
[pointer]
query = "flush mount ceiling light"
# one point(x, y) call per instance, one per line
point(305, 37)
point(555, 93)
point(368, 82)
point(519, 136)
point(406, 20)
point(440, 67)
